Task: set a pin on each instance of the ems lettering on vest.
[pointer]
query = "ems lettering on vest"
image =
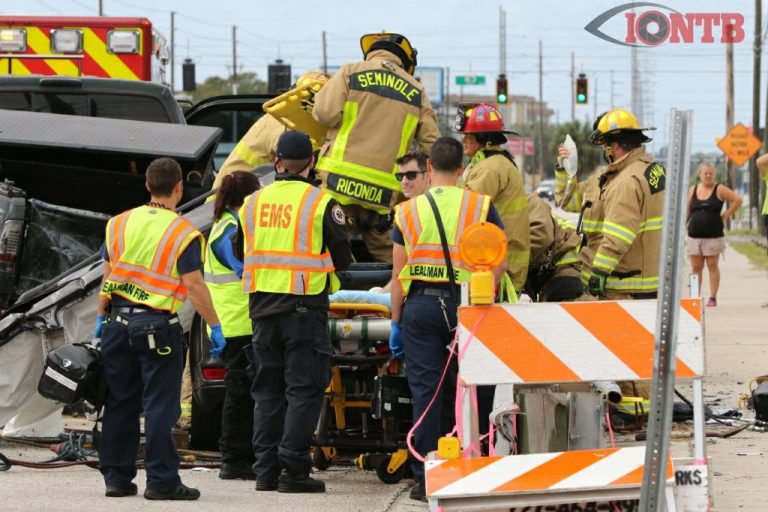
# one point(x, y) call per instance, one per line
point(273, 215)
point(387, 84)
point(361, 190)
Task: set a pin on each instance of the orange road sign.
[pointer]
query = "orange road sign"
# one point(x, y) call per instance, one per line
point(739, 145)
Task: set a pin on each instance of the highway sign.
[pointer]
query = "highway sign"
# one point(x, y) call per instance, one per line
point(470, 80)
point(739, 144)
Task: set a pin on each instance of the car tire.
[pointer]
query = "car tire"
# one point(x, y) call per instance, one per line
point(206, 428)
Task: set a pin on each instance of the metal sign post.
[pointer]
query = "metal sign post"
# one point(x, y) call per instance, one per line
point(652, 496)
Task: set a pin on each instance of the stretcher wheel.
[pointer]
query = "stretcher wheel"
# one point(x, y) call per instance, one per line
point(387, 477)
point(319, 460)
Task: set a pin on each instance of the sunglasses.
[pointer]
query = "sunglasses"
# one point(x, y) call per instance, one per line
point(409, 175)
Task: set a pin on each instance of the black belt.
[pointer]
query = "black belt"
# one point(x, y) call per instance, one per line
point(434, 292)
point(128, 310)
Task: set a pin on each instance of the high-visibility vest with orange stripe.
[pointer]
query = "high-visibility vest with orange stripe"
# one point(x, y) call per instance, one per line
point(283, 230)
point(144, 245)
point(458, 209)
point(229, 301)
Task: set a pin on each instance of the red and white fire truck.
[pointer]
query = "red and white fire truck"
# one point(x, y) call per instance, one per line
point(111, 47)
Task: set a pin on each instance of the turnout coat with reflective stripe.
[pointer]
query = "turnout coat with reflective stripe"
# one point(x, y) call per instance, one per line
point(283, 231)
point(374, 110)
point(458, 208)
point(623, 216)
point(499, 178)
point(144, 245)
point(229, 301)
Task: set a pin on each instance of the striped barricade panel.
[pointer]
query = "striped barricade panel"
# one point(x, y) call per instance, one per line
point(572, 342)
point(540, 479)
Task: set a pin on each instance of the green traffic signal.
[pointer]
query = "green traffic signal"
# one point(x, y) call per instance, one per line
point(501, 98)
point(581, 98)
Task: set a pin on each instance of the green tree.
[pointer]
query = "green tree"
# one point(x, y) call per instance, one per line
point(247, 83)
point(590, 156)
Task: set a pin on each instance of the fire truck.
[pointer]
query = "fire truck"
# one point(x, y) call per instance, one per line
point(110, 47)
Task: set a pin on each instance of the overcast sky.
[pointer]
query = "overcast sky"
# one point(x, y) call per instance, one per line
point(463, 36)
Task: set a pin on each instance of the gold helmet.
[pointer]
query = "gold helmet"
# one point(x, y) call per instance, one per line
point(618, 124)
point(395, 43)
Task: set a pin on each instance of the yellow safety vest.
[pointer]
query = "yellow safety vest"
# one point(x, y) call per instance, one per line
point(458, 209)
point(283, 228)
point(230, 302)
point(144, 245)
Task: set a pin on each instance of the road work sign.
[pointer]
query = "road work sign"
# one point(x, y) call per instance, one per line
point(739, 144)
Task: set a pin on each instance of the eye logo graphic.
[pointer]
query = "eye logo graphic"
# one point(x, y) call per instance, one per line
point(652, 27)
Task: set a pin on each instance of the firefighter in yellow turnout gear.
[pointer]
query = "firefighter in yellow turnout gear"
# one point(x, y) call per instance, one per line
point(374, 109)
point(621, 211)
point(492, 171)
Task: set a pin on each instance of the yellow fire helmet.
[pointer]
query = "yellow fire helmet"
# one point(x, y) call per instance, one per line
point(615, 123)
point(395, 43)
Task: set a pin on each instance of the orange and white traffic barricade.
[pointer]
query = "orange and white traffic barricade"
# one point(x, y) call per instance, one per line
point(560, 344)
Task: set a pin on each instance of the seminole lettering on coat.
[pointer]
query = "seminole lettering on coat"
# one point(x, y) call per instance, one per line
point(129, 289)
point(387, 84)
point(361, 190)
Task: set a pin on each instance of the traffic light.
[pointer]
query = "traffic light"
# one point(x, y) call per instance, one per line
point(582, 89)
point(501, 90)
point(188, 75)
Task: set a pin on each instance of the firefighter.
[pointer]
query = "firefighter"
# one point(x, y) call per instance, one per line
point(257, 147)
point(293, 236)
point(621, 211)
point(222, 276)
point(553, 273)
point(374, 110)
point(423, 325)
point(153, 259)
point(493, 172)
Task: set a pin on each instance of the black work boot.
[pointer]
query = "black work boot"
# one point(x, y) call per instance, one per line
point(120, 492)
point(233, 472)
point(295, 483)
point(418, 492)
point(180, 493)
point(266, 484)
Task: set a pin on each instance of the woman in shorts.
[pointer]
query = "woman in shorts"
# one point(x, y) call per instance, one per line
point(706, 241)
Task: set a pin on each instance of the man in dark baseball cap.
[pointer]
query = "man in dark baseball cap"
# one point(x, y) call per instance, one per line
point(294, 152)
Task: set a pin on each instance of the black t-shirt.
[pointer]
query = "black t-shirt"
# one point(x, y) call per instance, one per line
point(705, 220)
point(335, 240)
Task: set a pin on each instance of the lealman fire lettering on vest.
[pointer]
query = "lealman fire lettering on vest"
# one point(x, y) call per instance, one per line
point(273, 215)
point(431, 272)
point(128, 289)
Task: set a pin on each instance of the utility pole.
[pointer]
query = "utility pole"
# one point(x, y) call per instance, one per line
point(325, 54)
point(447, 97)
point(503, 57)
point(594, 100)
point(637, 93)
point(754, 178)
point(730, 170)
point(173, 51)
point(573, 88)
point(101, 7)
point(612, 105)
point(234, 59)
point(541, 113)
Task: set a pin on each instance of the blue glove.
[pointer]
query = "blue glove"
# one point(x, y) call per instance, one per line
point(596, 283)
point(396, 339)
point(218, 342)
point(99, 327)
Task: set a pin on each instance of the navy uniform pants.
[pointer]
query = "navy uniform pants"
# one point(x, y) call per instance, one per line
point(237, 411)
point(140, 378)
point(291, 368)
point(429, 324)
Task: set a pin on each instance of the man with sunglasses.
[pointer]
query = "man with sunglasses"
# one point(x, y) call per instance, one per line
point(412, 173)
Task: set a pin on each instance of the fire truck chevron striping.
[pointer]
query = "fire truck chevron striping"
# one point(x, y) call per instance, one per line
point(126, 48)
